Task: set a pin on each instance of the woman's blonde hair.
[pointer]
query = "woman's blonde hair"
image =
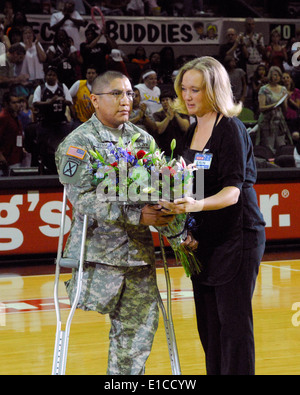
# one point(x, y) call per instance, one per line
point(218, 92)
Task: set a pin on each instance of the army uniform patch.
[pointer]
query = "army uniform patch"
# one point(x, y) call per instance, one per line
point(70, 168)
point(78, 153)
point(73, 164)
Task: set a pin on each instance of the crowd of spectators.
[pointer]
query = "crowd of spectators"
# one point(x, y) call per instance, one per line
point(44, 92)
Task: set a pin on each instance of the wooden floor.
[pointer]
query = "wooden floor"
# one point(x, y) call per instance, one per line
point(28, 323)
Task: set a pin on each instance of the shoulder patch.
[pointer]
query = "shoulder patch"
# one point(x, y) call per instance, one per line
point(78, 153)
point(70, 168)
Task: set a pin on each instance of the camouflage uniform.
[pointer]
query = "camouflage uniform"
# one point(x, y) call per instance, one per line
point(119, 273)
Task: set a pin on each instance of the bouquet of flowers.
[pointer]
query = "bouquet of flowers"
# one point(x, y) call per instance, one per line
point(133, 176)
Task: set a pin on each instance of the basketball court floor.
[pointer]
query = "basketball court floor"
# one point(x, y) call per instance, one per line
point(28, 323)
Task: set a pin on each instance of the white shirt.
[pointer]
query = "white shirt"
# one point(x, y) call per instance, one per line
point(52, 88)
point(68, 26)
point(31, 64)
point(150, 97)
point(52, 49)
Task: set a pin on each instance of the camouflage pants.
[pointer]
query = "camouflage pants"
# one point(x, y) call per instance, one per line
point(129, 296)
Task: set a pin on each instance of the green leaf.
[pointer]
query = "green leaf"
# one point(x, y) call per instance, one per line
point(152, 146)
point(135, 137)
point(121, 144)
point(96, 155)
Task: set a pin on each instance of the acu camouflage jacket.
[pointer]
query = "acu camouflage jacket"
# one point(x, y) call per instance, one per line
point(114, 235)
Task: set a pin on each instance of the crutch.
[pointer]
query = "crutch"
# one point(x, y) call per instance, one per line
point(62, 336)
point(167, 315)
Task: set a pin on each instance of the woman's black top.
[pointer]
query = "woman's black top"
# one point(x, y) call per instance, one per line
point(224, 233)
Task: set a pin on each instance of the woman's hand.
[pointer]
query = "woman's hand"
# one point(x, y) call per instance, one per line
point(184, 205)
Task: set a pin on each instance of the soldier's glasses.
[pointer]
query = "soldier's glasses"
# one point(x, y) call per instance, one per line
point(118, 94)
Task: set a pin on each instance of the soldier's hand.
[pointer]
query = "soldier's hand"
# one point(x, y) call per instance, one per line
point(190, 242)
point(152, 215)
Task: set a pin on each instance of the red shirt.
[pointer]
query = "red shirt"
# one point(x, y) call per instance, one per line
point(11, 138)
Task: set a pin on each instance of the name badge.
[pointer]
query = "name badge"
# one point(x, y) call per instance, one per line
point(203, 160)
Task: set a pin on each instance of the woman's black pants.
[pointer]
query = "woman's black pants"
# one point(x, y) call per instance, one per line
point(225, 320)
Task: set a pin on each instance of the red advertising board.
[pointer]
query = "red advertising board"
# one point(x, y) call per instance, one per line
point(30, 218)
point(30, 221)
point(279, 204)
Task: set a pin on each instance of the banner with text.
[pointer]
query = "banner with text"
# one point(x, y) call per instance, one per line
point(165, 31)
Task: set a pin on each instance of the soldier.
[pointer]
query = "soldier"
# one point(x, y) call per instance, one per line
point(119, 271)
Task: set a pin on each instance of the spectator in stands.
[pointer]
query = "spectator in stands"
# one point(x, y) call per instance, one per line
point(51, 100)
point(114, 61)
point(63, 55)
point(14, 35)
point(8, 13)
point(149, 91)
point(80, 92)
point(273, 131)
point(25, 114)
point(79, 6)
point(113, 7)
point(11, 138)
point(4, 39)
point(167, 62)
point(237, 78)
point(93, 52)
point(293, 105)
point(259, 79)
point(155, 65)
point(255, 47)
point(170, 125)
point(235, 47)
point(19, 22)
point(135, 8)
point(140, 57)
point(180, 61)
point(192, 8)
point(70, 20)
point(30, 139)
point(152, 7)
point(8, 61)
point(35, 56)
point(276, 53)
point(141, 116)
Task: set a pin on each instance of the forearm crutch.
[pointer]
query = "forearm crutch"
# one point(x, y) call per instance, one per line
point(62, 336)
point(167, 315)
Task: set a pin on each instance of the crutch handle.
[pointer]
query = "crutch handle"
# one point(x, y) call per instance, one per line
point(68, 263)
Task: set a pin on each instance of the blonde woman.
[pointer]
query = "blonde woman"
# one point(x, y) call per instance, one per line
point(273, 131)
point(226, 226)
